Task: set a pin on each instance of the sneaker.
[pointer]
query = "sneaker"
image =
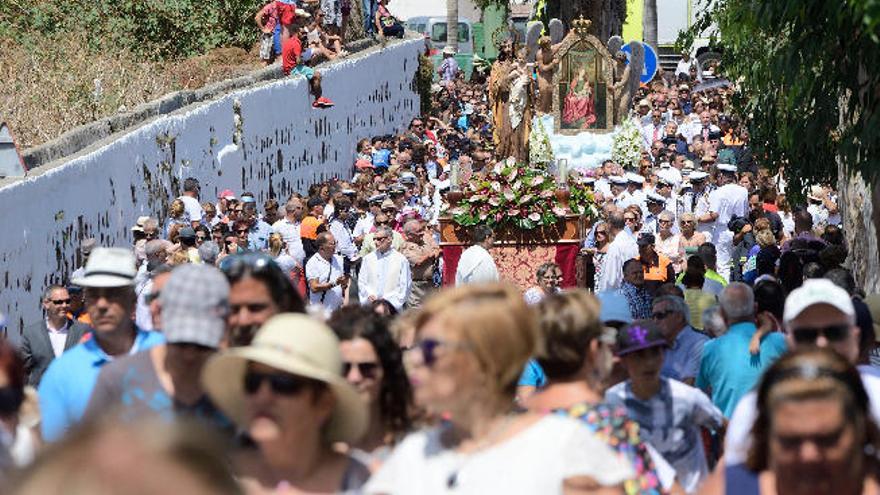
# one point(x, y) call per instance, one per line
point(324, 102)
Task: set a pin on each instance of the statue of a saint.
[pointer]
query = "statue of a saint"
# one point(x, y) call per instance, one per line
point(579, 110)
point(510, 91)
point(621, 88)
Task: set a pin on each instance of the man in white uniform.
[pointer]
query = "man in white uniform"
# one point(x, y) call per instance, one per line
point(476, 264)
point(623, 247)
point(384, 273)
point(326, 275)
point(289, 229)
point(728, 200)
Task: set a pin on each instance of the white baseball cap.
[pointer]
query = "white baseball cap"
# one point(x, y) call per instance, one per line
point(817, 291)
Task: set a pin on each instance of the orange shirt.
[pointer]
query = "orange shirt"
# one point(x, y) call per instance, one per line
point(309, 228)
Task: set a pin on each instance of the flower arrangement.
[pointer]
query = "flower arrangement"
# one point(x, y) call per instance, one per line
point(512, 194)
point(626, 149)
point(540, 151)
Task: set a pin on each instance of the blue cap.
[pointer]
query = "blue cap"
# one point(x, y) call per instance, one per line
point(614, 307)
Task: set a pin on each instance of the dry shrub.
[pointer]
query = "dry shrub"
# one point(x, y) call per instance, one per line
point(58, 85)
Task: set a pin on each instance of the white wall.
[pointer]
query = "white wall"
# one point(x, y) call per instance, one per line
point(285, 145)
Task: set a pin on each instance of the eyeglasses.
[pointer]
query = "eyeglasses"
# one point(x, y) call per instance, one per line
point(59, 302)
point(366, 370)
point(661, 315)
point(665, 222)
point(281, 384)
point(241, 231)
point(601, 232)
point(629, 219)
point(428, 348)
point(380, 237)
point(809, 335)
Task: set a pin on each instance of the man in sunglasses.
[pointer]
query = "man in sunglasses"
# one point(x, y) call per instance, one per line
point(42, 342)
point(165, 380)
point(110, 300)
point(682, 360)
point(817, 314)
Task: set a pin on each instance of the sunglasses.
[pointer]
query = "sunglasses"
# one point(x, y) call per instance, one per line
point(629, 219)
point(809, 335)
point(366, 369)
point(601, 232)
point(428, 348)
point(60, 301)
point(281, 384)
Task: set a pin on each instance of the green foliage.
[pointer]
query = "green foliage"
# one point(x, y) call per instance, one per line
point(809, 73)
point(424, 78)
point(155, 29)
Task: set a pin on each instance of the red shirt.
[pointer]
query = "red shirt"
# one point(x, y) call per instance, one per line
point(290, 54)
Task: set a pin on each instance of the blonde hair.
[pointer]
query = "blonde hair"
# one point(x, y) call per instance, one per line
point(765, 238)
point(496, 324)
point(568, 322)
point(176, 209)
point(275, 243)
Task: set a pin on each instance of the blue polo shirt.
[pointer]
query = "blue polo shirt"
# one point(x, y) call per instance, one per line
point(68, 382)
point(682, 359)
point(730, 370)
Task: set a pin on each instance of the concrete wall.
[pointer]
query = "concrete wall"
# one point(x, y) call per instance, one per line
point(265, 138)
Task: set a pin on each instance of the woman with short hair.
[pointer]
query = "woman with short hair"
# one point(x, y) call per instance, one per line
point(548, 276)
point(471, 345)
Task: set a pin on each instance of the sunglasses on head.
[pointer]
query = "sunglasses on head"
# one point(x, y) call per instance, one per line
point(256, 262)
point(366, 370)
point(280, 383)
point(809, 335)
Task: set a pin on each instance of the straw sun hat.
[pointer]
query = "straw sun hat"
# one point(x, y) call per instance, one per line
point(295, 344)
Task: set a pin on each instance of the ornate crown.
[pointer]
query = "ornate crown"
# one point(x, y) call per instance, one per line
point(582, 26)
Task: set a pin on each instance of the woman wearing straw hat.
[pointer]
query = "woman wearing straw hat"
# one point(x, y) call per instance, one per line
point(286, 391)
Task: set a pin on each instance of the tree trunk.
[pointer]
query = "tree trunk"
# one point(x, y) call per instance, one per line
point(649, 23)
point(452, 24)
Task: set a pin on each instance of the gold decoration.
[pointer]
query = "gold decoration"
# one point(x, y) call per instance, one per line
point(582, 26)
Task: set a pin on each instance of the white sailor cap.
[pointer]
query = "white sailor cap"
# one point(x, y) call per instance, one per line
point(617, 180)
point(655, 198)
point(665, 181)
point(631, 177)
point(727, 167)
point(698, 175)
point(377, 198)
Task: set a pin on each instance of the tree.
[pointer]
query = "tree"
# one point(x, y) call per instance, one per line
point(649, 23)
point(808, 73)
point(809, 78)
point(452, 24)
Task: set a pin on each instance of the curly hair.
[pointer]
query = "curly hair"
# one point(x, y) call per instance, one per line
point(395, 394)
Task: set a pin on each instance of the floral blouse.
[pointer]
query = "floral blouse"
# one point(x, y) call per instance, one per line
point(611, 425)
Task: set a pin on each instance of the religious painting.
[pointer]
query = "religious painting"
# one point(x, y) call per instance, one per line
point(582, 90)
point(583, 101)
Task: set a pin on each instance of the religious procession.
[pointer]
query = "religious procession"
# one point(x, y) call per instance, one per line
point(569, 250)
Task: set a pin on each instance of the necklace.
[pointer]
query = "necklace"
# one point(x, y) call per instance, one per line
point(494, 434)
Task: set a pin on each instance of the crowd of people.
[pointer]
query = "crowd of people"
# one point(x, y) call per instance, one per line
point(305, 345)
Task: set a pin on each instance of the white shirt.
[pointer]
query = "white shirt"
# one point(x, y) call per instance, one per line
point(684, 67)
point(344, 243)
point(289, 231)
point(143, 317)
point(364, 225)
point(621, 249)
point(57, 337)
point(192, 208)
point(727, 201)
point(325, 272)
point(738, 439)
point(385, 276)
point(476, 265)
point(534, 461)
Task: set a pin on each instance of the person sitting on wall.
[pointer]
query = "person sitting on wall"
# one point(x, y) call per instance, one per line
point(292, 63)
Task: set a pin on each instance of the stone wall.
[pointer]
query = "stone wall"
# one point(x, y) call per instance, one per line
point(265, 138)
point(860, 208)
